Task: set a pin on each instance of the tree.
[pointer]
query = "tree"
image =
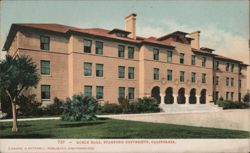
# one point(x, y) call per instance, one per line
point(246, 97)
point(17, 74)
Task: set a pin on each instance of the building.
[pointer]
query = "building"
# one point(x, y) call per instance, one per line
point(108, 64)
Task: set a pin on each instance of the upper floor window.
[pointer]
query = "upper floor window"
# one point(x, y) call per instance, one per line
point(45, 67)
point(88, 90)
point(121, 51)
point(45, 91)
point(232, 68)
point(131, 93)
point(203, 61)
point(193, 59)
point(121, 71)
point(203, 79)
point(217, 80)
point(99, 70)
point(87, 46)
point(44, 42)
point(182, 76)
point(217, 63)
point(193, 74)
point(170, 75)
point(99, 92)
point(232, 82)
point(156, 74)
point(169, 56)
point(240, 68)
point(131, 52)
point(121, 92)
point(99, 47)
point(156, 54)
point(227, 67)
point(131, 72)
point(87, 69)
point(239, 83)
point(227, 81)
point(181, 58)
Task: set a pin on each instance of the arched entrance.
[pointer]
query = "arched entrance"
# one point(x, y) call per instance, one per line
point(155, 92)
point(169, 98)
point(181, 99)
point(192, 97)
point(203, 96)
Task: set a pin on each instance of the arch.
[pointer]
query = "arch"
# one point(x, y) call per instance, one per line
point(169, 98)
point(155, 92)
point(181, 99)
point(203, 96)
point(192, 96)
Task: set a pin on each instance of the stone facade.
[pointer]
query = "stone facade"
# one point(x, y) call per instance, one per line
point(67, 57)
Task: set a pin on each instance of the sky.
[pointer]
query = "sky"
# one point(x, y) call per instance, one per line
point(223, 24)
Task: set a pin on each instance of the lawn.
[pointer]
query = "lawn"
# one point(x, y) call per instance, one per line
point(109, 128)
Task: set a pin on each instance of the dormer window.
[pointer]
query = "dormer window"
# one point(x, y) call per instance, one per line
point(119, 33)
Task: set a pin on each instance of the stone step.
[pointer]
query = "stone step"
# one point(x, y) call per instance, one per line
point(190, 108)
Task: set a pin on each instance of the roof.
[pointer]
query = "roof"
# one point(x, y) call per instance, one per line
point(172, 34)
point(64, 29)
point(207, 49)
point(119, 30)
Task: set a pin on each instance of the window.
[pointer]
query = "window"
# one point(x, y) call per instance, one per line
point(45, 91)
point(156, 74)
point(203, 61)
point(232, 68)
point(44, 42)
point(193, 59)
point(99, 47)
point(156, 54)
point(169, 75)
point(121, 50)
point(240, 68)
point(131, 94)
point(217, 80)
point(217, 63)
point(45, 67)
point(227, 67)
point(227, 95)
point(216, 95)
point(87, 46)
point(239, 83)
point(232, 82)
point(99, 92)
point(227, 81)
point(181, 58)
point(169, 56)
point(203, 79)
point(121, 92)
point(193, 77)
point(99, 70)
point(88, 90)
point(121, 71)
point(131, 73)
point(131, 52)
point(182, 76)
point(87, 69)
point(232, 96)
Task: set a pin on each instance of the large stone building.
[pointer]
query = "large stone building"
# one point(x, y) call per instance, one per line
point(108, 64)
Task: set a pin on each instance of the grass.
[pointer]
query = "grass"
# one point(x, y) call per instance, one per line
point(109, 128)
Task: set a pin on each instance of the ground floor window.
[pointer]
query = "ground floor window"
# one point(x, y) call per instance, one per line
point(88, 90)
point(99, 92)
point(45, 91)
point(131, 93)
point(121, 92)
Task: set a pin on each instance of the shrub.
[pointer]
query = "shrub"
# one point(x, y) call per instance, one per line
point(144, 105)
point(111, 109)
point(246, 97)
point(28, 106)
point(124, 103)
point(231, 104)
point(79, 108)
point(55, 108)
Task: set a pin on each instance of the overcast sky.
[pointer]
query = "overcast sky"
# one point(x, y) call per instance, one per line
point(223, 25)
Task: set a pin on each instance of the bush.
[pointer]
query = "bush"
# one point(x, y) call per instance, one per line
point(124, 103)
point(144, 105)
point(79, 108)
point(55, 108)
point(111, 109)
point(231, 104)
point(247, 98)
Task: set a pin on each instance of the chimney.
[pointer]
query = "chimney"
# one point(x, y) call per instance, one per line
point(196, 42)
point(130, 25)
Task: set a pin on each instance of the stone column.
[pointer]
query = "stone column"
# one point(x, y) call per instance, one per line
point(162, 99)
point(175, 99)
point(187, 99)
point(198, 99)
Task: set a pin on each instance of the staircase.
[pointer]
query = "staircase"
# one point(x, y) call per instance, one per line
point(190, 108)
